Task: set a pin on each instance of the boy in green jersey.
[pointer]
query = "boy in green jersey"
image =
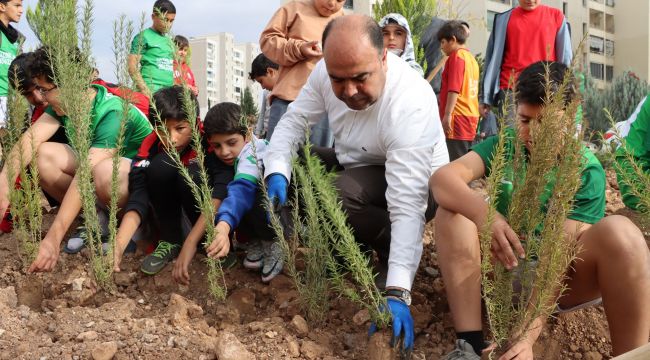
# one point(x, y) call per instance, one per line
point(614, 261)
point(151, 62)
point(57, 163)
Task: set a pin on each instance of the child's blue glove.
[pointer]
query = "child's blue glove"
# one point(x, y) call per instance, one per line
point(402, 322)
point(277, 186)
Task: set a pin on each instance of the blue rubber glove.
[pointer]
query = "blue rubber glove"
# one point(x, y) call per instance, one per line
point(276, 185)
point(402, 322)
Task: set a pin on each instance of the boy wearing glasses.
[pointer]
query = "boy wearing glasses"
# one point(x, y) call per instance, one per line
point(57, 163)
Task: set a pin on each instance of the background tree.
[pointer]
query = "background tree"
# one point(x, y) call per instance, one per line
point(620, 99)
point(248, 107)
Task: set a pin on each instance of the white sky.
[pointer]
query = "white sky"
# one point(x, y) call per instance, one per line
point(243, 18)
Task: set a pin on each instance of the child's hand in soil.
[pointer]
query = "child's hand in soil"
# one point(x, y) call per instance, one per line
point(220, 246)
point(181, 270)
point(48, 255)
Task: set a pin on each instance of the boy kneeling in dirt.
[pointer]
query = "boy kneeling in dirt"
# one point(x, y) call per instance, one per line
point(57, 163)
point(227, 133)
point(614, 262)
point(156, 179)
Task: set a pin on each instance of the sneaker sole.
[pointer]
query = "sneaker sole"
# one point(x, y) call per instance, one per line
point(67, 250)
point(275, 271)
point(253, 265)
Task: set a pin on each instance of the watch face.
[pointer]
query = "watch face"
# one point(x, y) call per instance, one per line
point(406, 296)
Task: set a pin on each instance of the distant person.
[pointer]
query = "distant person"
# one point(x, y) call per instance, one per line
point(458, 98)
point(521, 36)
point(151, 62)
point(264, 72)
point(183, 74)
point(487, 126)
point(399, 40)
point(433, 54)
point(291, 39)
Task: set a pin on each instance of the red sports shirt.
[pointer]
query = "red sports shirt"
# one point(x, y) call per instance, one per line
point(461, 76)
point(530, 38)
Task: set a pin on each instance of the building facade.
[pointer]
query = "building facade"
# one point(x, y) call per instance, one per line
point(221, 69)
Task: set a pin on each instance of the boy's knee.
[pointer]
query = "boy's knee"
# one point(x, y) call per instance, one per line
point(618, 237)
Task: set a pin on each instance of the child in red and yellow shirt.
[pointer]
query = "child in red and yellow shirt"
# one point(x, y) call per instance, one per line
point(458, 99)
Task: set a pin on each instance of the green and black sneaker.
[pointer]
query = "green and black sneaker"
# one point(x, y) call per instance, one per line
point(156, 261)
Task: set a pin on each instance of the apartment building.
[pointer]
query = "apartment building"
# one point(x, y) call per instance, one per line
point(221, 69)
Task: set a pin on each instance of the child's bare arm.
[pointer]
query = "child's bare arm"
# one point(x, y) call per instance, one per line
point(134, 71)
point(181, 266)
point(129, 225)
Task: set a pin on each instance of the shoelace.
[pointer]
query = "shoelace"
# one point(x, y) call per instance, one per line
point(163, 249)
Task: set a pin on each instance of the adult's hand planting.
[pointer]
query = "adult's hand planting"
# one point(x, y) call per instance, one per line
point(277, 186)
point(402, 324)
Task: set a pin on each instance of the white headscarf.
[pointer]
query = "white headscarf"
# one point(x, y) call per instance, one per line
point(408, 54)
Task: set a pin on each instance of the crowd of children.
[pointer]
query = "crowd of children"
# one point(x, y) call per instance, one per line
point(376, 122)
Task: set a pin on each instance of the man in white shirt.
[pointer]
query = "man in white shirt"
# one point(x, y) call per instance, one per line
point(388, 141)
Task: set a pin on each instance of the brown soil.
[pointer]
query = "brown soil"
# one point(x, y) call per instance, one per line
point(62, 315)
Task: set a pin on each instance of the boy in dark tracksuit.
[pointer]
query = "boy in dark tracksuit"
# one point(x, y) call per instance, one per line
point(155, 179)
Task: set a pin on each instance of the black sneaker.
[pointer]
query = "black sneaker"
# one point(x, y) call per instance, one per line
point(156, 261)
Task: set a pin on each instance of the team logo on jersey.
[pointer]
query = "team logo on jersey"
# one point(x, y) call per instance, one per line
point(142, 164)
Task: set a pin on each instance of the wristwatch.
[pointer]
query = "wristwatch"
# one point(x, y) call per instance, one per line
point(401, 294)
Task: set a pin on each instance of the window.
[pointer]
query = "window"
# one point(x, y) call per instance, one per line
point(596, 45)
point(597, 70)
point(237, 90)
point(584, 3)
point(609, 23)
point(349, 4)
point(596, 19)
point(565, 8)
point(584, 29)
point(611, 3)
point(490, 19)
point(609, 73)
point(609, 48)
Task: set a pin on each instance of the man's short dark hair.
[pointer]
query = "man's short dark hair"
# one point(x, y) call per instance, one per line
point(453, 29)
point(224, 118)
point(370, 29)
point(531, 84)
point(168, 103)
point(259, 66)
point(181, 42)
point(164, 7)
point(19, 72)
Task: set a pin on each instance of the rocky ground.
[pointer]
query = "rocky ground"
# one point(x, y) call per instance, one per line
point(62, 315)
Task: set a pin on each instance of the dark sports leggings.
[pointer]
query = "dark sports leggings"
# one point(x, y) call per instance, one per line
point(170, 195)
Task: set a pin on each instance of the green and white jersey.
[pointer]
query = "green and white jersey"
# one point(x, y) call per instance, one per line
point(157, 58)
point(8, 52)
point(246, 164)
